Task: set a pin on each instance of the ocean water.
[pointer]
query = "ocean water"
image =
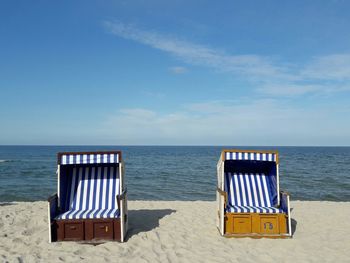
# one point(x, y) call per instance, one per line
point(27, 173)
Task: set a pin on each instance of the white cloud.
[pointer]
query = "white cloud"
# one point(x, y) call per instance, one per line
point(289, 89)
point(178, 70)
point(194, 53)
point(154, 94)
point(241, 122)
point(261, 122)
point(272, 78)
point(331, 67)
point(137, 113)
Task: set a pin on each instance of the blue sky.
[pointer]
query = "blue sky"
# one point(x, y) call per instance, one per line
point(175, 73)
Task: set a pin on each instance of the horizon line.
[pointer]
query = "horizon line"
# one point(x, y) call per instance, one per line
point(167, 145)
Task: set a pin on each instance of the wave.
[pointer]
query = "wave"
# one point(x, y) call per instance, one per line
point(4, 161)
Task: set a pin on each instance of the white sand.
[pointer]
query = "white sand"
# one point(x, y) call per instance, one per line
point(179, 232)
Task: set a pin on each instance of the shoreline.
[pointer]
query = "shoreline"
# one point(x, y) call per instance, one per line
point(173, 231)
point(174, 201)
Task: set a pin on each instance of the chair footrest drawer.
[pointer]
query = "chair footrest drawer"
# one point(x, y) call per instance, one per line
point(72, 231)
point(249, 223)
point(87, 229)
point(242, 224)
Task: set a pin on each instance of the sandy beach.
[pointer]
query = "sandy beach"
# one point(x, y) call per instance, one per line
point(179, 231)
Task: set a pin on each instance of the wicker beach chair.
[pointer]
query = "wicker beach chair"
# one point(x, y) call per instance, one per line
point(91, 201)
point(248, 197)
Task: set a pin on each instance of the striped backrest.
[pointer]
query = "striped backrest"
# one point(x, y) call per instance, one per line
point(251, 156)
point(92, 187)
point(88, 158)
point(250, 189)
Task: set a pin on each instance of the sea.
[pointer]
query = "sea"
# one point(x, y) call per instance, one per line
point(28, 173)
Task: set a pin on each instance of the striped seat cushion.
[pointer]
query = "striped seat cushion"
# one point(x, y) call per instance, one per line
point(90, 214)
point(250, 193)
point(91, 193)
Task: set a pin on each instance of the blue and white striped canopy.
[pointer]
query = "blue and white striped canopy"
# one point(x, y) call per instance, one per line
point(251, 156)
point(88, 158)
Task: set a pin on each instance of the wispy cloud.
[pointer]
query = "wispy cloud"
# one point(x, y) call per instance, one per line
point(260, 122)
point(194, 53)
point(289, 89)
point(270, 76)
point(178, 70)
point(154, 94)
point(331, 67)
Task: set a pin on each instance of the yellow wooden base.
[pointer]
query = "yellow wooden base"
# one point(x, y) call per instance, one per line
point(255, 225)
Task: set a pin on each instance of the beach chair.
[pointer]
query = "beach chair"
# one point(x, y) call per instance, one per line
point(249, 201)
point(91, 200)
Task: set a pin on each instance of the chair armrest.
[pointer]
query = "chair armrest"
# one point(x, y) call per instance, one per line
point(284, 193)
point(53, 205)
point(223, 193)
point(120, 197)
point(52, 198)
point(123, 194)
point(284, 203)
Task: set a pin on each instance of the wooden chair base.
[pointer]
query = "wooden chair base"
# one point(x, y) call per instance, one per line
point(256, 225)
point(257, 236)
point(86, 230)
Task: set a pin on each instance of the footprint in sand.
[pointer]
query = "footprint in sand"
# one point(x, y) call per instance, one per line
point(18, 240)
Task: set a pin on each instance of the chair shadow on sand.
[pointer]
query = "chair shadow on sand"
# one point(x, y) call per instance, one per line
point(145, 219)
point(294, 226)
point(293, 223)
point(6, 204)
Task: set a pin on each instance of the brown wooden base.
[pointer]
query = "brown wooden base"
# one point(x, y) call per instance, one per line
point(86, 230)
point(257, 236)
point(255, 225)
